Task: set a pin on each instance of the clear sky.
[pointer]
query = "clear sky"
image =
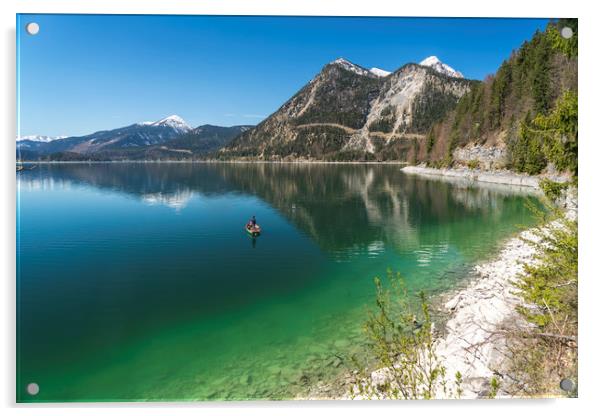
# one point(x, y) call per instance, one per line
point(83, 73)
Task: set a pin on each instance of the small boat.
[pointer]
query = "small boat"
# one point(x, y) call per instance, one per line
point(253, 231)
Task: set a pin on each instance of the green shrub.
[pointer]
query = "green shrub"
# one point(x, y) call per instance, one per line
point(494, 387)
point(473, 164)
point(559, 131)
point(547, 353)
point(430, 141)
point(552, 190)
point(402, 344)
point(526, 151)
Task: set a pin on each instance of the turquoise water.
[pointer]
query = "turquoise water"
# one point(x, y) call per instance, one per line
point(138, 282)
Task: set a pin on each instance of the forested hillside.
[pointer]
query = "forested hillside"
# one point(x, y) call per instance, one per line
point(528, 109)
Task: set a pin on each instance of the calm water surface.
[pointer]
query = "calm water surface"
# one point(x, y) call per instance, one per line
point(137, 281)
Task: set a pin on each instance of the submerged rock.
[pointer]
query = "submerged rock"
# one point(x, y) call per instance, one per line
point(341, 343)
point(274, 369)
point(246, 379)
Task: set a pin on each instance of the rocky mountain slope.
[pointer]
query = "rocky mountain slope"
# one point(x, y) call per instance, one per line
point(347, 112)
point(208, 138)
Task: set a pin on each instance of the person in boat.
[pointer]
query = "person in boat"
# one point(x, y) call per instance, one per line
point(252, 223)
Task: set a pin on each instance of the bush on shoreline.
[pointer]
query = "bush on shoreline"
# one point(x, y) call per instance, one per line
point(546, 352)
point(402, 343)
point(541, 352)
point(553, 190)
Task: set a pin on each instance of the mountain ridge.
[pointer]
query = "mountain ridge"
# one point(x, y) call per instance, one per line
point(374, 115)
point(170, 137)
point(357, 116)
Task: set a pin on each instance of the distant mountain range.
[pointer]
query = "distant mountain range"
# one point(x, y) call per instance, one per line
point(43, 139)
point(346, 111)
point(168, 138)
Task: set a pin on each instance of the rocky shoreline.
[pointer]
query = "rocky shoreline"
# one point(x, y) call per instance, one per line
point(503, 177)
point(473, 343)
point(474, 340)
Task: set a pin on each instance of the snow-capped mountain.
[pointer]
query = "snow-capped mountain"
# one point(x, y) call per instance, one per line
point(350, 66)
point(380, 72)
point(134, 135)
point(347, 110)
point(431, 61)
point(175, 122)
point(169, 138)
point(437, 65)
point(40, 139)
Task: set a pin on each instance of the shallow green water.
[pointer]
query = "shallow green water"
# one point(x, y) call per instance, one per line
point(137, 281)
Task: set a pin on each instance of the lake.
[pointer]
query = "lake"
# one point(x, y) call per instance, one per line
point(138, 282)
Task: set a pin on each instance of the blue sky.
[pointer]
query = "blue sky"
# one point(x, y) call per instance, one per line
point(84, 73)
